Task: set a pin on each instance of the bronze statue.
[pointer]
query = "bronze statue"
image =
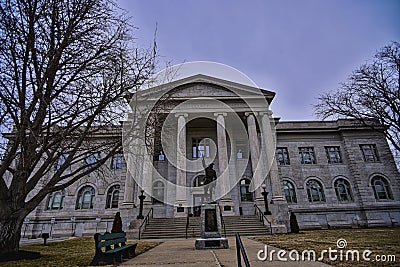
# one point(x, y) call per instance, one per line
point(210, 177)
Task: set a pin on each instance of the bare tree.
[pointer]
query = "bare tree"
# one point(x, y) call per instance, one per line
point(66, 68)
point(371, 95)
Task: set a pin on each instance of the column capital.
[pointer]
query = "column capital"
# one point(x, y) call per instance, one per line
point(250, 113)
point(268, 113)
point(220, 113)
point(181, 114)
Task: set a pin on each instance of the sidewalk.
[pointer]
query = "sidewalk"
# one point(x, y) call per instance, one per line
point(181, 252)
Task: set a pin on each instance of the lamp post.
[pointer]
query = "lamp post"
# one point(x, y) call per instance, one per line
point(265, 194)
point(141, 198)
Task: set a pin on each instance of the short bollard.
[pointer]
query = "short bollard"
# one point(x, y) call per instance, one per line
point(45, 236)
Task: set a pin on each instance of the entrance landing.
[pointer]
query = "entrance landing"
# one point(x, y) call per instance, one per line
point(181, 253)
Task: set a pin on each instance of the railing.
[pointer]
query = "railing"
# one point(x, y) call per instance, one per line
point(263, 218)
point(241, 252)
point(146, 221)
point(187, 225)
point(222, 220)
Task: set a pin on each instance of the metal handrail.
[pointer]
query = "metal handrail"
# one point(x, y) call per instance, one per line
point(241, 252)
point(187, 225)
point(262, 217)
point(222, 220)
point(146, 221)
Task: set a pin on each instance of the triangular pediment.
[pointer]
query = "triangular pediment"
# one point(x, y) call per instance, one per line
point(201, 85)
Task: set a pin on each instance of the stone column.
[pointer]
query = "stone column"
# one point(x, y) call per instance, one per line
point(255, 153)
point(268, 145)
point(181, 197)
point(128, 190)
point(132, 158)
point(226, 201)
point(147, 182)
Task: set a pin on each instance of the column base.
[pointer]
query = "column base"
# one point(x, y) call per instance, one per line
point(278, 200)
point(227, 207)
point(280, 214)
point(180, 210)
point(128, 205)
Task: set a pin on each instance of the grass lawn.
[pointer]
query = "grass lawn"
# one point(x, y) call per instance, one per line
point(72, 252)
point(381, 241)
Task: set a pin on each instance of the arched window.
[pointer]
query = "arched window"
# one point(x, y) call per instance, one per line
point(342, 189)
point(198, 181)
point(112, 197)
point(158, 192)
point(290, 192)
point(381, 188)
point(245, 194)
point(315, 191)
point(56, 200)
point(85, 198)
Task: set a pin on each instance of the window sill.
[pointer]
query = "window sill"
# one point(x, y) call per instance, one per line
point(53, 210)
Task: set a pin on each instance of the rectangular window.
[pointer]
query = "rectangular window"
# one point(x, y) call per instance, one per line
point(282, 156)
point(61, 160)
point(241, 149)
point(369, 152)
point(307, 155)
point(333, 154)
point(200, 148)
point(117, 160)
point(91, 159)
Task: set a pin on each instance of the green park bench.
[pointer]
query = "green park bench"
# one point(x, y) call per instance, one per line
point(112, 247)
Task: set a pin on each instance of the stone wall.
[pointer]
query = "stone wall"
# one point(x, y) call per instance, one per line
point(364, 210)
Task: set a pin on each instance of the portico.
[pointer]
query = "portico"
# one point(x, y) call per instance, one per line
point(225, 123)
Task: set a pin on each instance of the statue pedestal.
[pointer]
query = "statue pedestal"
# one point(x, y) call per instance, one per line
point(211, 243)
point(211, 229)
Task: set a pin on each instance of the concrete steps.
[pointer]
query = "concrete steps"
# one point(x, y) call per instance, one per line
point(176, 227)
point(171, 228)
point(245, 225)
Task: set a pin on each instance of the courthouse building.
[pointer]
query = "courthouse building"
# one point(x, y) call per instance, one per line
point(328, 173)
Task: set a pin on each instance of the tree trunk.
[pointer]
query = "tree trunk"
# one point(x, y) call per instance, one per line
point(10, 233)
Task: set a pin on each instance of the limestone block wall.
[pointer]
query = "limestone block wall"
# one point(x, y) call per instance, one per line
point(69, 220)
point(364, 210)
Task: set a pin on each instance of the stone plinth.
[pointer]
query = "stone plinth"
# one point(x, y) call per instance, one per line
point(211, 228)
point(211, 243)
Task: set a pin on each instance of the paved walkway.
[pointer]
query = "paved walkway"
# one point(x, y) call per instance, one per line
point(181, 252)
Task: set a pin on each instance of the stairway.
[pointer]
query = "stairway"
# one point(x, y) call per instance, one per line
point(245, 225)
point(176, 227)
point(171, 228)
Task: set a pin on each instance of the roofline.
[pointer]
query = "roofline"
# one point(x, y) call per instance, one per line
point(201, 78)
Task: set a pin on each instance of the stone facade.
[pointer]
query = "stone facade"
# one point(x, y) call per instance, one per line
point(364, 208)
point(331, 173)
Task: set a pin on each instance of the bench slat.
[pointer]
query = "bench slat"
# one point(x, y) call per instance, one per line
point(120, 248)
point(111, 242)
point(111, 236)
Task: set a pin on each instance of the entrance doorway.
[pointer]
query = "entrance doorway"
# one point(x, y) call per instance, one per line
point(197, 201)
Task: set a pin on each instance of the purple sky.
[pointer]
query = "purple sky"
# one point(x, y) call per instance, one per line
point(297, 49)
